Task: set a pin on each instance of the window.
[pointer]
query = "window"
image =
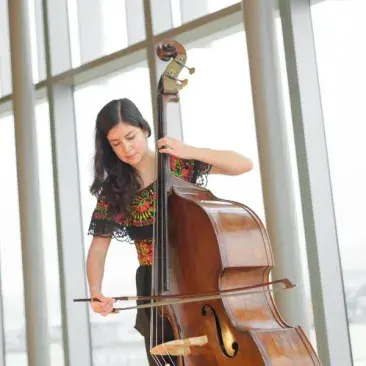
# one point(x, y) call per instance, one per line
point(10, 244)
point(5, 68)
point(114, 339)
point(217, 112)
point(184, 12)
point(294, 171)
point(174, 13)
point(341, 56)
point(12, 296)
point(49, 234)
point(33, 40)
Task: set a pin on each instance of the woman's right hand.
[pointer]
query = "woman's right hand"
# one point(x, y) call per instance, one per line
point(104, 306)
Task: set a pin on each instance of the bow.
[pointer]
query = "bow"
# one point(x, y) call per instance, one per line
point(180, 298)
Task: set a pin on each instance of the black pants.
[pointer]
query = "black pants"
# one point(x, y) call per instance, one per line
point(163, 331)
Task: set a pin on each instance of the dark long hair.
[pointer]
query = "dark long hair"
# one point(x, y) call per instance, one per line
point(113, 178)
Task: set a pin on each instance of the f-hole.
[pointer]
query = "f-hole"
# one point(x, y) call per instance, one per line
point(234, 346)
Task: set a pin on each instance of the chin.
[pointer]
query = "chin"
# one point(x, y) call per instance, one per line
point(134, 161)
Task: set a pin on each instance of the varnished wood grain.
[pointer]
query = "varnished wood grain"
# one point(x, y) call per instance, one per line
point(216, 245)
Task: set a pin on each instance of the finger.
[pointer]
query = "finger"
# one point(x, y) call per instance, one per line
point(109, 303)
point(108, 311)
point(98, 298)
point(98, 311)
point(106, 307)
point(105, 300)
point(98, 304)
point(166, 151)
point(98, 308)
point(163, 143)
point(166, 140)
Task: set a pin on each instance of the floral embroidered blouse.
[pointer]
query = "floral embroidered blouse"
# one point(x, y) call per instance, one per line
point(137, 227)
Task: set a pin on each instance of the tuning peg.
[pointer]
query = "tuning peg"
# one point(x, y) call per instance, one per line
point(192, 70)
point(182, 83)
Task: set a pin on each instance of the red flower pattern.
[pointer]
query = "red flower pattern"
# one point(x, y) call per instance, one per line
point(142, 208)
point(144, 252)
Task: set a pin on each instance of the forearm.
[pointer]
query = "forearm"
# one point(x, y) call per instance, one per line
point(95, 268)
point(229, 162)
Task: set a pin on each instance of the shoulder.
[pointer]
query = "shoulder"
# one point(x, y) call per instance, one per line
point(101, 210)
point(102, 201)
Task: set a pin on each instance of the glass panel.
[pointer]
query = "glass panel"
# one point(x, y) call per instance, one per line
point(33, 39)
point(11, 260)
point(167, 14)
point(72, 11)
point(215, 5)
point(294, 171)
point(49, 234)
point(184, 11)
point(162, 12)
point(114, 339)
point(212, 86)
point(10, 251)
point(115, 33)
point(339, 29)
point(5, 68)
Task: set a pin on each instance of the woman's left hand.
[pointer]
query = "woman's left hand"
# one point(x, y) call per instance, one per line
point(174, 147)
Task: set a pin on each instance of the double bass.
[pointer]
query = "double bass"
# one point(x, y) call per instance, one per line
point(207, 245)
point(211, 267)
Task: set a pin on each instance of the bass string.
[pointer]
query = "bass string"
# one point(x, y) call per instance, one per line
point(159, 239)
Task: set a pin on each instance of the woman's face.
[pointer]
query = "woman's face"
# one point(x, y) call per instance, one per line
point(128, 142)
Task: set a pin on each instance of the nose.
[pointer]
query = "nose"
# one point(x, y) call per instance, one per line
point(127, 147)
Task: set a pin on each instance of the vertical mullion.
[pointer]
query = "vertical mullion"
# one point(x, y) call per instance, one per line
point(274, 155)
point(156, 69)
point(151, 59)
point(314, 177)
point(37, 334)
point(5, 68)
point(75, 319)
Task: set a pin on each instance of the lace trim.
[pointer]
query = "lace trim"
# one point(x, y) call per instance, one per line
point(203, 170)
point(109, 229)
point(193, 171)
point(143, 206)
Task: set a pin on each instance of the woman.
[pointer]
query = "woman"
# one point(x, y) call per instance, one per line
point(124, 176)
